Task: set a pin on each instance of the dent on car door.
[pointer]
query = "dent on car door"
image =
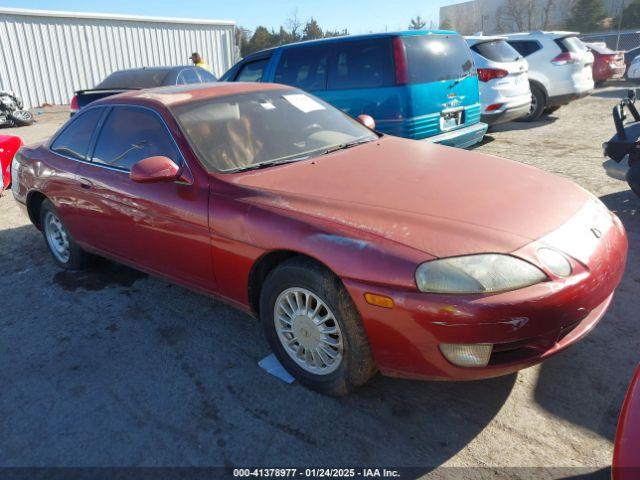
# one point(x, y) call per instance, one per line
point(162, 226)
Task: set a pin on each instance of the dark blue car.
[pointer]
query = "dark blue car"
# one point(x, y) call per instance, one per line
point(139, 78)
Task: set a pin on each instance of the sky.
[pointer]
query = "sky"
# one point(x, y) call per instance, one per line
point(358, 16)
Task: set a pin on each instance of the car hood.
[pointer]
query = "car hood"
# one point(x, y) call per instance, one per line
point(439, 200)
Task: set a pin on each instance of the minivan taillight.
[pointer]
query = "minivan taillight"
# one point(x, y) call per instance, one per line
point(565, 58)
point(486, 74)
point(400, 59)
point(74, 106)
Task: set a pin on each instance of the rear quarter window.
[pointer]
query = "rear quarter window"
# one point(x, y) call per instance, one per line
point(74, 140)
point(497, 51)
point(361, 64)
point(525, 47)
point(305, 68)
point(252, 71)
point(433, 58)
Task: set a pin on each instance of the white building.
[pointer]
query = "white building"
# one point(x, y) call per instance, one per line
point(45, 56)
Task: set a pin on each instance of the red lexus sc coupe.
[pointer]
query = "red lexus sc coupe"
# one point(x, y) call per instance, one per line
point(357, 251)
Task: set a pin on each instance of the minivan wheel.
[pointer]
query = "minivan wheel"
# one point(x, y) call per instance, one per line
point(314, 328)
point(63, 248)
point(538, 101)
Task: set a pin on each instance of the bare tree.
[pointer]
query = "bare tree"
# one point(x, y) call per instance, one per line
point(522, 15)
point(546, 14)
point(294, 25)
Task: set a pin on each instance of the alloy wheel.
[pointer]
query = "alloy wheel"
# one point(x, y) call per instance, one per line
point(57, 237)
point(308, 331)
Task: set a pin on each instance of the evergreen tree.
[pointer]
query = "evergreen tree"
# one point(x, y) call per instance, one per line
point(586, 16)
point(417, 23)
point(312, 30)
point(446, 25)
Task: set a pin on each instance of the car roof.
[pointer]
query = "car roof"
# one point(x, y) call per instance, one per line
point(349, 38)
point(475, 39)
point(540, 33)
point(182, 94)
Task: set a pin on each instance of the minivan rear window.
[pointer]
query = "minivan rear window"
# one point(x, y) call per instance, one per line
point(433, 58)
point(496, 51)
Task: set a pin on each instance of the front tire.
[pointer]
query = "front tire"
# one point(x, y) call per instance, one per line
point(314, 328)
point(538, 102)
point(65, 251)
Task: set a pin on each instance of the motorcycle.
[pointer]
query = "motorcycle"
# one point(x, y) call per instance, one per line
point(623, 149)
point(11, 111)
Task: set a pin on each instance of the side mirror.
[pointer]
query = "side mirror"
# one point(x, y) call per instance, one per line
point(367, 121)
point(155, 169)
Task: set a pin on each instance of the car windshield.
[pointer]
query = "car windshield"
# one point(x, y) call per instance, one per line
point(134, 79)
point(258, 129)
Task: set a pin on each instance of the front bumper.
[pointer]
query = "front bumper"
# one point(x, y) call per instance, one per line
point(461, 137)
point(525, 326)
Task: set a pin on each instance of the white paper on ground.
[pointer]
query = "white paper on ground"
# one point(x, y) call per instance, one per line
point(303, 102)
point(273, 366)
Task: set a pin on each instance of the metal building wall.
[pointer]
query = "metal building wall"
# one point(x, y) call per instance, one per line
point(46, 56)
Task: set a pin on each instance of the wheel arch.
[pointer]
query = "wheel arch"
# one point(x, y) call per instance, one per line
point(539, 85)
point(267, 263)
point(34, 203)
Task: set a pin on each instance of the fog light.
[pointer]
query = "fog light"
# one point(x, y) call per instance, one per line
point(462, 355)
point(555, 262)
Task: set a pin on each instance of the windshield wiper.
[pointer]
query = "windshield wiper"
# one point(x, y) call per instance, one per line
point(458, 80)
point(258, 166)
point(344, 146)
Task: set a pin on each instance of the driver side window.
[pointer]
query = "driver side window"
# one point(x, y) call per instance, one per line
point(131, 134)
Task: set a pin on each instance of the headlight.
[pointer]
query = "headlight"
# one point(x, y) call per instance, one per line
point(484, 273)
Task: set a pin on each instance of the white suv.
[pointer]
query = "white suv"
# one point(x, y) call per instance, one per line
point(503, 80)
point(559, 68)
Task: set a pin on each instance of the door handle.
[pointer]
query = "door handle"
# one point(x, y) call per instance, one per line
point(86, 184)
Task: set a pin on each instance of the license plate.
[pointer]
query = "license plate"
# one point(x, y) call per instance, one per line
point(449, 120)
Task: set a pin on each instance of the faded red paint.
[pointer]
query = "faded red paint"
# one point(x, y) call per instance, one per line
point(626, 451)
point(371, 214)
point(9, 145)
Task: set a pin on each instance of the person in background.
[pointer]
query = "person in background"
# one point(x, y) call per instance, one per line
point(199, 62)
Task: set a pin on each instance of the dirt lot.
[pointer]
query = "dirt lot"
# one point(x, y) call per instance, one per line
point(115, 368)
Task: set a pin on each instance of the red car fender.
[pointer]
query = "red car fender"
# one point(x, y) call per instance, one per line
point(9, 145)
point(626, 450)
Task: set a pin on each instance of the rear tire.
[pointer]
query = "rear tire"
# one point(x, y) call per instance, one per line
point(330, 356)
point(538, 102)
point(64, 249)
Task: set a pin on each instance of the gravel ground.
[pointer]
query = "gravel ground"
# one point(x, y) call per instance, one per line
point(116, 368)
